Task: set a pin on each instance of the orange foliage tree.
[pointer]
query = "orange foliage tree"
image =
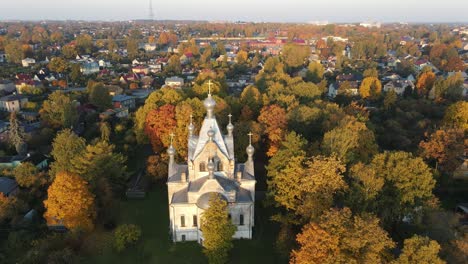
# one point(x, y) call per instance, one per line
point(425, 82)
point(274, 120)
point(444, 146)
point(160, 123)
point(70, 202)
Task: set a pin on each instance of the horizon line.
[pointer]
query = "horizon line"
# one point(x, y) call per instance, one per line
point(318, 22)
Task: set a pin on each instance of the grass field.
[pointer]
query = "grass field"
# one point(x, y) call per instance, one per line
point(151, 214)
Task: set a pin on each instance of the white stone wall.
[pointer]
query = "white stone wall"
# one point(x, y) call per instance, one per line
point(191, 232)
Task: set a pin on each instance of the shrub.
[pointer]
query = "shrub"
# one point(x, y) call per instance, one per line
point(125, 235)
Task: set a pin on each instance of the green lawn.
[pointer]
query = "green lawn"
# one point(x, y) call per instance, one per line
point(151, 214)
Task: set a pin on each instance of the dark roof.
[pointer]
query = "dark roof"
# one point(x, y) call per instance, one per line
point(7, 185)
point(35, 158)
point(12, 97)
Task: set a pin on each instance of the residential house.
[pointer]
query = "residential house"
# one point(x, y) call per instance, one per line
point(28, 62)
point(88, 68)
point(104, 64)
point(174, 82)
point(8, 186)
point(149, 47)
point(147, 82)
point(121, 100)
point(7, 87)
point(398, 86)
point(141, 70)
point(12, 103)
point(111, 113)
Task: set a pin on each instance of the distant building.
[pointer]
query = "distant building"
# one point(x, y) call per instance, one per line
point(370, 24)
point(141, 70)
point(12, 103)
point(211, 170)
point(398, 86)
point(8, 186)
point(174, 82)
point(88, 68)
point(28, 62)
point(123, 101)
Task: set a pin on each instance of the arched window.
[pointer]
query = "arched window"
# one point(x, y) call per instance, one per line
point(241, 219)
point(220, 166)
point(202, 166)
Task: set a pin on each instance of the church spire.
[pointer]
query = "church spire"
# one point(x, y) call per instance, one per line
point(209, 103)
point(191, 127)
point(171, 152)
point(230, 126)
point(250, 149)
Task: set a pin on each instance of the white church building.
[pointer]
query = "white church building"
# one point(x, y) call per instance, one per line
point(211, 168)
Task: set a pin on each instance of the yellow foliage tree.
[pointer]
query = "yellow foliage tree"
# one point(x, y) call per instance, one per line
point(340, 237)
point(70, 203)
point(370, 87)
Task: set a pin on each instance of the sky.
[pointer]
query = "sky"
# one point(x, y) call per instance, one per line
point(240, 10)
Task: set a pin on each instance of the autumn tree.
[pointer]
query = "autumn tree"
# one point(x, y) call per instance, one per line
point(444, 147)
point(419, 250)
point(390, 99)
point(340, 237)
point(10, 207)
point(65, 147)
point(84, 43)
point(16, 135)
point(27, 176)
point(242, 57)
point(58, 64)
point(99, 96)
point(217, 230)
point(364, 186)
point(372, 72)
point(315, 72)
point(70, 203)
point(304, 187)
point(59, 110)
point(156, 167)
point(160, 123)
point(408, 183)
point(99, 161)
point(154, 101)
point(274, 120)
point(191, 109)
point(132, 47)
point(295, 55)
point(456, 115)
point(251, 97)
point(425, 82)
point(173, 65)
point(69, 52)
point(14, 51)
point(351, 141)
point(370, 87)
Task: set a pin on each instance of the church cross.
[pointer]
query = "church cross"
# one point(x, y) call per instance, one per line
point(209, 87)
point(172, 137)
point(229, 118)
point(250, 137)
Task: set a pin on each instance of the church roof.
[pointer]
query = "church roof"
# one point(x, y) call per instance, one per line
point(203, 201)
point(209, 123)
point(227, 184)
